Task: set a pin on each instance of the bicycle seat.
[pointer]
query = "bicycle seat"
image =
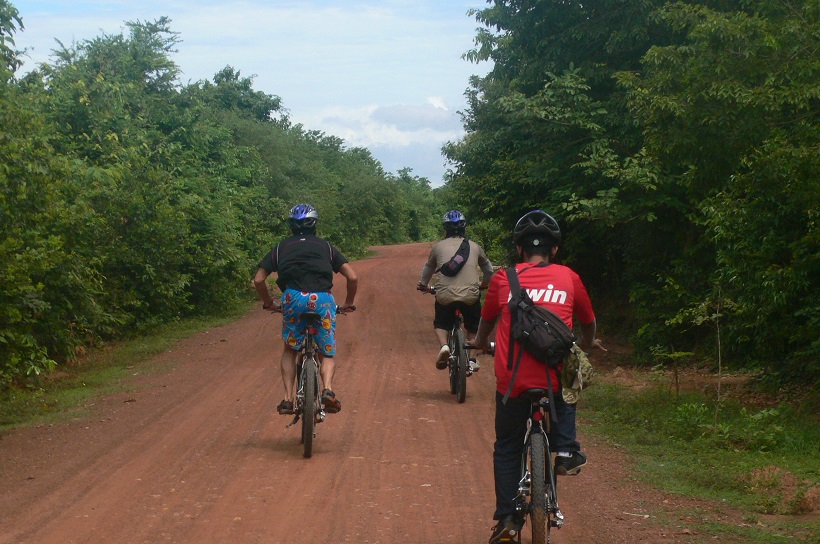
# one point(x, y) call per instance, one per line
point(535, 394)
point(312, 315)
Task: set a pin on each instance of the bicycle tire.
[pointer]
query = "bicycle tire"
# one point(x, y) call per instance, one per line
point(309, 409)
point(538, 490)
point(299, 402)
point(451, 366)
point(461, 367)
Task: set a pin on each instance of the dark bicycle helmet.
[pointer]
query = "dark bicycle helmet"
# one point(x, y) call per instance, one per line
point(302, 219)
point(536, 224)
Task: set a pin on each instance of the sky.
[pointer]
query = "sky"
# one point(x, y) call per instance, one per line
point(387, 75)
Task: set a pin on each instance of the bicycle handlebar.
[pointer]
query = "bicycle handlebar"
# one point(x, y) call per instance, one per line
point(489, 351)
point(339, 309)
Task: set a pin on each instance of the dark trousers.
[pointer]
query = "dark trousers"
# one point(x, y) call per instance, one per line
point(510, 428)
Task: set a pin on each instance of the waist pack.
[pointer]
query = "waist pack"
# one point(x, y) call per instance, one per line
point(456, 263)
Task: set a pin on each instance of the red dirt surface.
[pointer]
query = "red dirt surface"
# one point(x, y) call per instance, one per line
point(195, 452)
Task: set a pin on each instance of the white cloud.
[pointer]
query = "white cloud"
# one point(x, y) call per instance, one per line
point(383, 74)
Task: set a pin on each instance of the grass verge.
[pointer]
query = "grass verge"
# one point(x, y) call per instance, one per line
point(763, 462)
point(67, 390)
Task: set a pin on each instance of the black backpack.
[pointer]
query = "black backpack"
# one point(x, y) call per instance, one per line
point(456, 263)
point(536, 329)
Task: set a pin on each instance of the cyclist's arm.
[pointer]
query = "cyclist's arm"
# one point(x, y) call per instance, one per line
point(426, 274)
point(587, 335)
point(261, 284)
point(352, 284)
point(482, 337)
point(588, 340)
point(487, 269)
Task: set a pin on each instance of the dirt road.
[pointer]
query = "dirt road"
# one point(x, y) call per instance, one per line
point(193, 451)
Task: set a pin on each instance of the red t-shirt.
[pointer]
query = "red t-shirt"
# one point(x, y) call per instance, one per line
point(555, 286)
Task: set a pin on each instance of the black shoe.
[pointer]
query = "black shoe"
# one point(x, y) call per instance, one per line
point(570, 466)
point(330, 402)
point(507, 530)
point(285, 408)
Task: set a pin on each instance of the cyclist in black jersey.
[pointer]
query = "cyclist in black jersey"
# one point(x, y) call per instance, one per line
point(305, 264)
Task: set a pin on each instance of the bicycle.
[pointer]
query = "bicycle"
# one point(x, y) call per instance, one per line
point(459, 362)
point(537, 493)
point(308, 406)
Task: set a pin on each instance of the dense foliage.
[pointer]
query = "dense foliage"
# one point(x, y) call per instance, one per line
point(128, 200)
point(677, 143)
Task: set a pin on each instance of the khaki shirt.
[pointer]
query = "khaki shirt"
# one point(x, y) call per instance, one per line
point(462, 287)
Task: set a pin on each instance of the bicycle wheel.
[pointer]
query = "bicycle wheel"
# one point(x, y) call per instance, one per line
point(461, 368)
point(451, 364)
point(309, 409)
point(538, 490)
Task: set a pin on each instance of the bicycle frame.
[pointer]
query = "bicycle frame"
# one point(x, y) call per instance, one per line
point(537, 492)
point(459, 360)
point(309, 407)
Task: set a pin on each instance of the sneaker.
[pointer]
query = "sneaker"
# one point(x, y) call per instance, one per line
point(332, 405)
point(507, 530)
point(443, 356)
point(474, 365)
point(285, 408)
point(570, 465)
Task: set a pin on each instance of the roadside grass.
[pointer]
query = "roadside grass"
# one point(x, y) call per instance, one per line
point(71, 388)
point(763, 461)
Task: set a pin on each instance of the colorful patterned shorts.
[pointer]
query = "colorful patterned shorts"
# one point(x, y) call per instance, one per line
point(294, 304)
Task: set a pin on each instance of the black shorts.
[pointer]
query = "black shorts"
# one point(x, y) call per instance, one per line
point(446, 315)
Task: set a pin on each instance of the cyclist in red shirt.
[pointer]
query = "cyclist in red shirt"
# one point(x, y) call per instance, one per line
point(537, 236)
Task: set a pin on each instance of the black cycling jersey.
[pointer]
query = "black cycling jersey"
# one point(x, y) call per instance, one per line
point(304, 262)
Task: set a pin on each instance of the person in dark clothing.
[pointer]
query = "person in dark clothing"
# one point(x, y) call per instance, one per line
point(305, 264)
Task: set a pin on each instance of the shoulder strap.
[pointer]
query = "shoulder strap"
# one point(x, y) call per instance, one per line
point(515, 288)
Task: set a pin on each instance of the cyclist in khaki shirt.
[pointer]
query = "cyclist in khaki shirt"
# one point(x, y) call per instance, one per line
point(457, 292)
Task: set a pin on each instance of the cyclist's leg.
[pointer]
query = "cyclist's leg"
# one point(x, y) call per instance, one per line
point(293, 336)
point(472, 315)
point(510, 428)
point(563, 442)
point(325, 337)
point(563, 435)
point(445, 315)
point(288, 369)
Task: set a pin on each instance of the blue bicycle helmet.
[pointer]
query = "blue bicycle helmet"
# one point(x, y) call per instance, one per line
point(454, 222)
point(302, 219)
point(537, 224)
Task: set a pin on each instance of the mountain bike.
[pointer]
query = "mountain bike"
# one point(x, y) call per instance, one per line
point(308, 407)
point(537, 494)
point(459, 362)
